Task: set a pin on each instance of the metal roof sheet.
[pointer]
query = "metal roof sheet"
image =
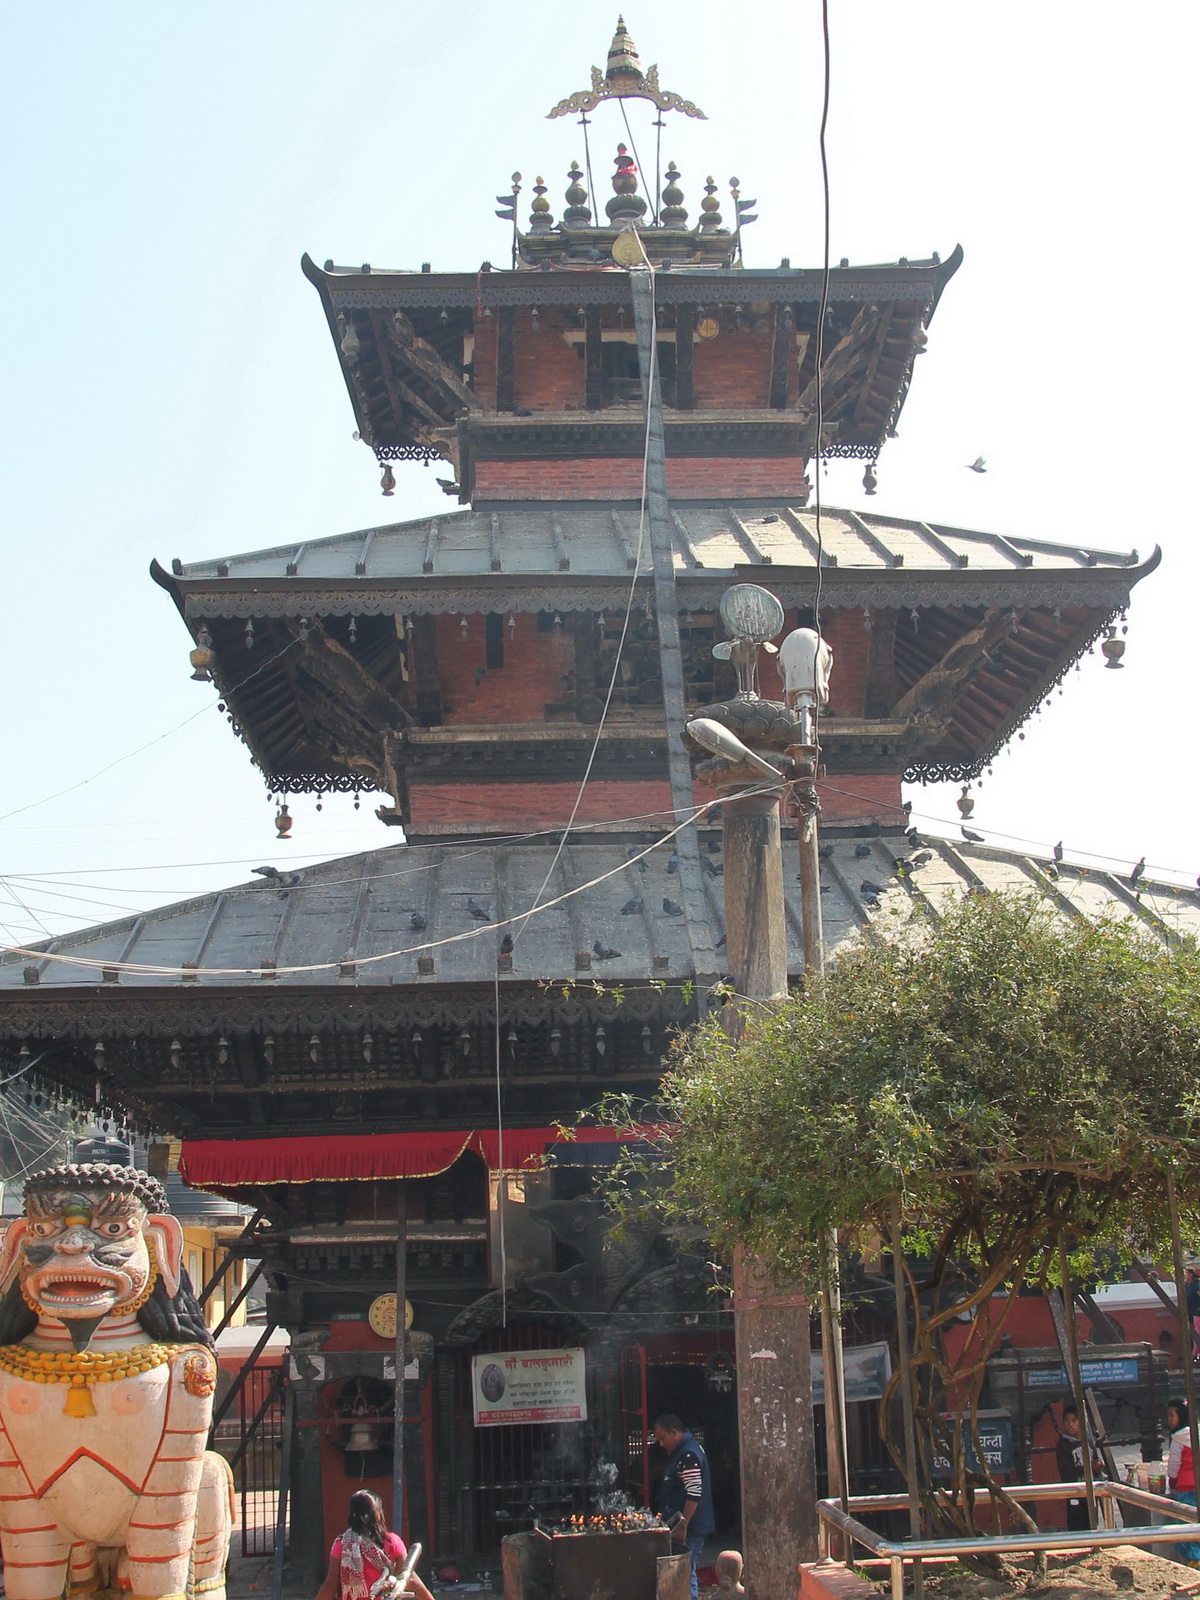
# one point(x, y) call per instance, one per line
point(720, 537)
point(350, 920)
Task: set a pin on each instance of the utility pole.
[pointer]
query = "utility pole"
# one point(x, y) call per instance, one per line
point(771, 1319)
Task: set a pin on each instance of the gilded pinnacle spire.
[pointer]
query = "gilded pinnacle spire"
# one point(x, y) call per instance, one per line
point(623, 59)
point(624, 79)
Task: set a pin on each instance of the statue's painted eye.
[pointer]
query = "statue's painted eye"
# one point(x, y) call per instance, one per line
point(43, 1230)
point(113, 1229)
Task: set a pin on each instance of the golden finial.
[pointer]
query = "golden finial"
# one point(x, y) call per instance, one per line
point(624, 79)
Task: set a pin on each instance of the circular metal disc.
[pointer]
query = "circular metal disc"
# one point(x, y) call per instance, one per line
point(749, 612)
point(627, 249)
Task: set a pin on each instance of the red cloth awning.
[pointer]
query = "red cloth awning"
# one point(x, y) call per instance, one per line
point(326, 1158)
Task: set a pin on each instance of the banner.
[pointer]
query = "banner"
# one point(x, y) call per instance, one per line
point(867, 1368)
point(513, 1386)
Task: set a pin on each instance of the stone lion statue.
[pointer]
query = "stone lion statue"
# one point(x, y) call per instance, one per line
point(107, 1376)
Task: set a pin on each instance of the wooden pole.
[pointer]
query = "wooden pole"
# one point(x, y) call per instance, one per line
point(1076, 1376)
point(398, 1406)
point(906, 1395)
point(1185, 1322)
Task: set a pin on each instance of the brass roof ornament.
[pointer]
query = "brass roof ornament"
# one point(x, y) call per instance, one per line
point(624, 79)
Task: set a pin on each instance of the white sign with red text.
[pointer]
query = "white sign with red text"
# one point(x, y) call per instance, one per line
point(515, 1386)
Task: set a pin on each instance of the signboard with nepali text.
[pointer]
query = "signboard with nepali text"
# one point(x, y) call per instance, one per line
point(517, 1386)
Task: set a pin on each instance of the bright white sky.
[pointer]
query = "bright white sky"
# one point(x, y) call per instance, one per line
point(172, 390)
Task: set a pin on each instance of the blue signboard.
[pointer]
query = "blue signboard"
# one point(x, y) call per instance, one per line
point(995, 1438)
point(1095, 1374)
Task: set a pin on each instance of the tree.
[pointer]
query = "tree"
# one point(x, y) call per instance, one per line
point(1007, 1078)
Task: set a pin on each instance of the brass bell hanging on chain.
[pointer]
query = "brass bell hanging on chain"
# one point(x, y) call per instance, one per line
point(1113, 648)
point(965, 803)
point(387, 481)
point(283, 821)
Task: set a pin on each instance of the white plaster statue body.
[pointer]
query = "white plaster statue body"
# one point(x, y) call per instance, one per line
point(106, 1400)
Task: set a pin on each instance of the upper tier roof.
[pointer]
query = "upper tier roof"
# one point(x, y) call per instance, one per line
point(429, 559)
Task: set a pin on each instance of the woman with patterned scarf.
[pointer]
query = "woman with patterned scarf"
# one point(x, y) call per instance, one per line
point(365, 1553)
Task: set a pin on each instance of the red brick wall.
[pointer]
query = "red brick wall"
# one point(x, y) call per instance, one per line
point(547, 372)
point(516, 692)
point(733, 370)
point(849, 641)
point(525, 807)
point(620, 478)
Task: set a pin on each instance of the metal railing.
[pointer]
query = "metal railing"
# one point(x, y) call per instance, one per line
point(897, 1552)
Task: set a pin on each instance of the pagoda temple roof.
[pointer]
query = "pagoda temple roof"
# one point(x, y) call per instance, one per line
point(347, 923)
point(553, 555)
point(268, 1010)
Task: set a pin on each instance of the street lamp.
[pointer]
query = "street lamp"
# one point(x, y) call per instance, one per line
point(718, 739)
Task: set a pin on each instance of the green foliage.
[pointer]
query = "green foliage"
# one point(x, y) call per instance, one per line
point(1004, 1080)
point(1002, 1063)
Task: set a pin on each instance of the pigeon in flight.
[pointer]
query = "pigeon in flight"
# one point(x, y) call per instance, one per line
point(632, 907)
point(971, 836)
point(604, 952)
point(477, 911)
point(671, 908)
point(978, 465)
point(416, 921)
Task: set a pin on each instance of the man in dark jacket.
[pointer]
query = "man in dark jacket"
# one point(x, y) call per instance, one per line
point(685, 1489)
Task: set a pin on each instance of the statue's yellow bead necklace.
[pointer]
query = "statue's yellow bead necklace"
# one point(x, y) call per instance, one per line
point(78, 1367)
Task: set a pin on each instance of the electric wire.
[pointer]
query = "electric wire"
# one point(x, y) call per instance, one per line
point(822, 313)
point(150, 743)
point(637, 564)
point(147, 969)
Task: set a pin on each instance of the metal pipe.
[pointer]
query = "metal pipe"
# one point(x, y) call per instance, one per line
point(1076, 1376)
point(1185, 1322)
point(398, 1398)
point(238, 1383)
point(285, 1482)
point(910, 1425)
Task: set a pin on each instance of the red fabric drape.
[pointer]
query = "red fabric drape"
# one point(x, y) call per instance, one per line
point(325, 1158)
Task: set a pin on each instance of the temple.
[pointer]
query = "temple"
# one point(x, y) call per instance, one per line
point(382, 1048)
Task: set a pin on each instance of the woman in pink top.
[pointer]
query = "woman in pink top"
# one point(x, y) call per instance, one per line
point(361, 1556)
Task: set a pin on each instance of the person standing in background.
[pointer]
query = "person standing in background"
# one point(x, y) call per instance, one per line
point(685, 1489)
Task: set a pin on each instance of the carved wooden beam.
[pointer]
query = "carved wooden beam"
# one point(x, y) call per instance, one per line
point(505, 358)
point(685, 325)
point(881, 664)
point(593, 361)
point(424, 668)
point(416, 353)
point(782, 347)
point(932, 697)
point(333, 666)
